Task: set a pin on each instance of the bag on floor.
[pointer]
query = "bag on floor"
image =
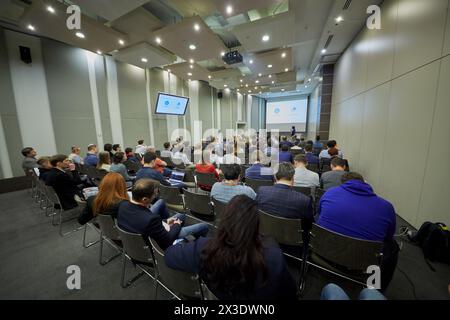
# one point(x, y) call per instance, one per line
point(434, 238)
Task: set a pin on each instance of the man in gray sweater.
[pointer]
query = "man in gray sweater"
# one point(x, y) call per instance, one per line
point(30, 161)
point(333, 178)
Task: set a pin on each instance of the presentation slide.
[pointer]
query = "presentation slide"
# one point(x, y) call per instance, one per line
point(169, 104)
point(282, 115)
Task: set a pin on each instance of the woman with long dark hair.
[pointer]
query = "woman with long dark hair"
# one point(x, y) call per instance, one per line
point(238, 263)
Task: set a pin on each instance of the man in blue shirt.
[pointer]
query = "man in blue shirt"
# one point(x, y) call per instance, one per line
point(258, 171)
point(310, 157)
point(91, 158)
point(354, 210)
point(285, 155)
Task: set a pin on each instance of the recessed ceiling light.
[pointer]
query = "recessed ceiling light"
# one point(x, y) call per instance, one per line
point(269, 66)
point(189, 74)
point(283, 55)
point(246, 85)
point(196, 27)
point(323, 51)
point(282, 89)
point(257, 81)
point(50, 9)
point(270, 76)
point(286, 70)
point(309, 80)
point(144, 60)
point(192, 47)
point(242, 80)
point(191, 61)
point(265, 38)
point(158, 40)
point(260, 92)
point(249, 91)
point(237, 90)
point(306, 86)
point(209, 77)
point(259, 74)
point(339, 19)
point(99, 52)
point(121, 42)
point(225, 85)
point(31, 27)
point(251, 61)
point(256, 88)
point(229, 9)
point(80, 35)
point(191, 66)
point(222, 53)
point(273, 82)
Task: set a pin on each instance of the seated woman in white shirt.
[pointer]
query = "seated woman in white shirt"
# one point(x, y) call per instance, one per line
point(104, 161)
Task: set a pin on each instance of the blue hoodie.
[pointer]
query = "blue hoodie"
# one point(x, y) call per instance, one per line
point(354, 210)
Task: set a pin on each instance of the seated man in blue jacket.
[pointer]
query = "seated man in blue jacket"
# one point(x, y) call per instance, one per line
point(138, 216)
point(258, 171)
point(353, 209)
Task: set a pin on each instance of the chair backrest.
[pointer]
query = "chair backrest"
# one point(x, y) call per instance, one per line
point(91, 172)
point(169, 162)
point(108, 226)
point(296, 152)
point(313, 167)
point(171, 195)
point(135, 246)
point(188, 175)
point(319, 193)
point(132, 166)
point(219, 207)
point(81, 168)
point(179, 282)
point(206, 292)
point(305, 190)
point(354, 254)
point(101, 174)
point(256, 184)
point(52, 196)
point(205, 179)
point(283, 230)
point(197, 202)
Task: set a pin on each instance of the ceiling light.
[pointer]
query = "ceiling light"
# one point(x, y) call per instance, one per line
point(209, 77)
point(246, 85)
point(237, 90)
point(260, 92)
point(249, 91)
point(269, 66)
point(222, 53)
point(339, 19)
point(196, 27)
point(283, 55)
point(273, 82)
point(99, 52)
point(259, 74)
point(251, 61)
point(50, 9)
point(257, 81)
point(191, 66)
point(286, 70)
point(158, 40)
point(306, 86)
point(256, 88)
point(265, 38)
point(229, 9)
point(270, 76)
point(242, 80)
point(225, 85)
point(121, 42)
point(192, 47)
point(191, 61)
point(144, 60)
point(282, 89)
point(189, 74)
point(323, 51)
point(309, 80)
point(31, 27)
point(80, 35)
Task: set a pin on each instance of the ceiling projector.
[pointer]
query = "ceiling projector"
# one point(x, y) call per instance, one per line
point(232, 57)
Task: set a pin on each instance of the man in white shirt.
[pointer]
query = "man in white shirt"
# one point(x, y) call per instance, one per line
point(180, 157)
point(166, 153)
point(230, 157)
point(141, 148)
point(304, 177)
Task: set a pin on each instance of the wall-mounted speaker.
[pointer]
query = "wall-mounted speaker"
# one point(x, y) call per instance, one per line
point(219, 95)
point(25, 54)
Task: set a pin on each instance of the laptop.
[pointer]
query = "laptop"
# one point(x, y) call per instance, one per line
point(176, 178)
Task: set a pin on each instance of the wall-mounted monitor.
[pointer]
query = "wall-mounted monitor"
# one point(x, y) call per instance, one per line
point(171, 105)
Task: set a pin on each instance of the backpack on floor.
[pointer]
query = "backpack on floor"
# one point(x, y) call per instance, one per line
point(434, 238)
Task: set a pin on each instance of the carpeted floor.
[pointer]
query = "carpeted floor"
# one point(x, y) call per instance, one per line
point(34, 259)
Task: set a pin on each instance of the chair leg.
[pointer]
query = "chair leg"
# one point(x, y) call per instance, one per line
point(64, 234)
point(126, 284)
point(100, 260)
point(90, 244)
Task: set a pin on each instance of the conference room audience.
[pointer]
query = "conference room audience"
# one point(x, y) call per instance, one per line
point(304, 177)
point(130, 155)
point(160, 165)
point(149, 169)
point(286, 142)
point(74, 156)
point(215, 158)
point(166, 153)
point(229, 188)
point(118, 166)
point(333, 178)
point(258, 171)
point(310, 156)
point(108, 147)
point(44, 168)
point(179, 157)
point(281, 200)
point(285, 155)
point(331, 151)
point(104, 161)
point(116, 148)
point(141, 148)
point(65, 184)
point(205, 167)
point(29, 161)
point(237, 263)
point(91, 158)
point(112, 191)
point(354, 210)
point(231, 154)
point(139, 216)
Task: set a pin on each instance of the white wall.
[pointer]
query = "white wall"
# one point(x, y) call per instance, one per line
point(391, 108)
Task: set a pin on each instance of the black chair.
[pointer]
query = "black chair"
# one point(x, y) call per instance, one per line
point(172, 197)
point(205, 179)
point(343, 256)
point(325, 165)
point(189, 179)
point(169, 162)
point(256, 184)
point(313, 167)
point(198, 204)
point(132, 166)
point(180, 284)
point(218, 208)
point(305, 190)
point(109, 233)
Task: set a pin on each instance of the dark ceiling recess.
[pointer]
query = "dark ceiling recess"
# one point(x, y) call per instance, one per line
point(347, 4)
point(330, 37)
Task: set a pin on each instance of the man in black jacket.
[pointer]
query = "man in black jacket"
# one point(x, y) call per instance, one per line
point(64, 183)
point(139, 216)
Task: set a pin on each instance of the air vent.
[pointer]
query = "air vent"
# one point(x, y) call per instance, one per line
point(347, 4)
point(330, 37)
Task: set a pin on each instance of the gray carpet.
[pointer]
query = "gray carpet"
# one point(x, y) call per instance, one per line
point(34, 259)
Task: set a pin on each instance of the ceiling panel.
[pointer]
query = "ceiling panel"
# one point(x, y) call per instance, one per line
point(240, 6)
point(11, 11)
point(138, 24)
point(53, 25)
point(109, 9)
point(178, 37)
point(280, 29)
point(279, 59)
point(191, 8)
point(187, 71)
point(134, 55)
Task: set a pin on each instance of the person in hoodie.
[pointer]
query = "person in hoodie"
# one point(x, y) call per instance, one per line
point(354, 210)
